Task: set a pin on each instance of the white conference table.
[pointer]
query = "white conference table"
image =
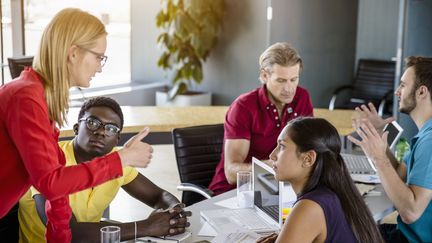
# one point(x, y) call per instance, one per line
point(379, 204)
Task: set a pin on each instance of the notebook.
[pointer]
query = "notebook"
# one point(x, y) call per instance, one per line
point(361, 164)
point(265, 216)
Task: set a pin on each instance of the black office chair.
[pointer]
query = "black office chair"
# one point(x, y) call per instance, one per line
point(374, 82)
point(17, 64)
point(198, 151)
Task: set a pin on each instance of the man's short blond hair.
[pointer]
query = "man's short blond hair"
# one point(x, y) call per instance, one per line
point(280, 53)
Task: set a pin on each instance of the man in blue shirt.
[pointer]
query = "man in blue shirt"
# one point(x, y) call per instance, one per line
point(407, 184)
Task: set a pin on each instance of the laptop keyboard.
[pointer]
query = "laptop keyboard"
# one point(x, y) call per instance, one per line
point(272, 210)
point(358, 164)
point(250, 221)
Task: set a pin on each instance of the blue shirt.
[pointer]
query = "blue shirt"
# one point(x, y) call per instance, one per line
point(419, 173)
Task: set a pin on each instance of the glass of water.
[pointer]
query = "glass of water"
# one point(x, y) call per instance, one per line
point(245, 195)
point(110, 234)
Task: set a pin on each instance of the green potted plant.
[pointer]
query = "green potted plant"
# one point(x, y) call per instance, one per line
point(190, 31)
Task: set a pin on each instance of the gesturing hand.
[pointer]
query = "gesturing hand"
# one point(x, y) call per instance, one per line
point(135, 152)
point(370, 113)
point(373, 144)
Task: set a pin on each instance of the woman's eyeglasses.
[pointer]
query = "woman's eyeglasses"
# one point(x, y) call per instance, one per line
point(94, 124)
point(102, 58)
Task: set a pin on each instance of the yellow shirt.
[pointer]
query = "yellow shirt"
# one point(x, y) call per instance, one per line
point(87, 205)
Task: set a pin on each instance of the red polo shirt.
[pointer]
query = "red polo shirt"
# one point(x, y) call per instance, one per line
point(30, 155)
point(252, 116)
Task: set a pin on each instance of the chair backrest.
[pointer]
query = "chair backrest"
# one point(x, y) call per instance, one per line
point(374, 79)
point(17, 64)
point(198, 151)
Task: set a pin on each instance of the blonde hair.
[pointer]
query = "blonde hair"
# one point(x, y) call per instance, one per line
point(280, 53)
point(70, 26)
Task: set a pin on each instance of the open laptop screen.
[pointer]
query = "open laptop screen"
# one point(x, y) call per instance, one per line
point(266, 189)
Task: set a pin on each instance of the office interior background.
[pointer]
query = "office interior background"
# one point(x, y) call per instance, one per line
point(330, 35)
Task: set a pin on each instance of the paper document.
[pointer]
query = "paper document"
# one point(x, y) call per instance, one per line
point(363, 188)
point(207, 230)
point(228, 203)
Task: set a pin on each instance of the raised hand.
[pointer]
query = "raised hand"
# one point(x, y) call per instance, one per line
point(374, 144)
point(370, 113)
point(135, 152)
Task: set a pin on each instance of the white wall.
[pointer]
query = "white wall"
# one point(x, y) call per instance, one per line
point(377, 29)
point(323, 32)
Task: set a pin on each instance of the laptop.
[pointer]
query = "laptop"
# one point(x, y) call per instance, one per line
point(265, 216)
point(361, 164)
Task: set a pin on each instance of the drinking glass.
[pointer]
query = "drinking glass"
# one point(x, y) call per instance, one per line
point(245, 195)
point(110, 234)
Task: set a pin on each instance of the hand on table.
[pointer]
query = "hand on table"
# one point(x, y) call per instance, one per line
point(168, 222)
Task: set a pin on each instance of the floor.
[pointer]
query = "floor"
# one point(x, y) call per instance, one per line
point(162, 171)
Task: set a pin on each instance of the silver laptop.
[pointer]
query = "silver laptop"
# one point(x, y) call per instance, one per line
point(265, 216)
point(361, 164)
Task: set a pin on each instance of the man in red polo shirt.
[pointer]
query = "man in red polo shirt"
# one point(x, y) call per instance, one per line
point(255, 119)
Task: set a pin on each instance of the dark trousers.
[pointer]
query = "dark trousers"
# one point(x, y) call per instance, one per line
point(9, 226)
point(391, 234)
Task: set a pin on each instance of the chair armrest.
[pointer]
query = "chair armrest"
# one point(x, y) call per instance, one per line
point(383, 102)
point(110, 221)
point(335, 93)
point(195, 188)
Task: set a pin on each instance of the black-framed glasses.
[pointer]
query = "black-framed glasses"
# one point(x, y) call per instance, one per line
point(94, 124)
point(102, 58)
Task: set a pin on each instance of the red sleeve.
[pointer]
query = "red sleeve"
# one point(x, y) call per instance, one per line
point(31, 131)
point(238, 122)
point(58, 213)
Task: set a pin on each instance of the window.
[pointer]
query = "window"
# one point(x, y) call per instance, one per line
point(116, 16)
point(5, 39)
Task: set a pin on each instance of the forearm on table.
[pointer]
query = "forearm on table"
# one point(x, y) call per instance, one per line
point(167, 200)
point(144, 190)
point(234, 167)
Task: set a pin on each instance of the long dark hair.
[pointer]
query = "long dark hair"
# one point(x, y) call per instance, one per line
point(329, 170)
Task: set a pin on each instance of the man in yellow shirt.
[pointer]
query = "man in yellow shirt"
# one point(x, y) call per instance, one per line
point(97, 133)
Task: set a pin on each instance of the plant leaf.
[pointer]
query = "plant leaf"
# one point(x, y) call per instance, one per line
point(190, 30)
